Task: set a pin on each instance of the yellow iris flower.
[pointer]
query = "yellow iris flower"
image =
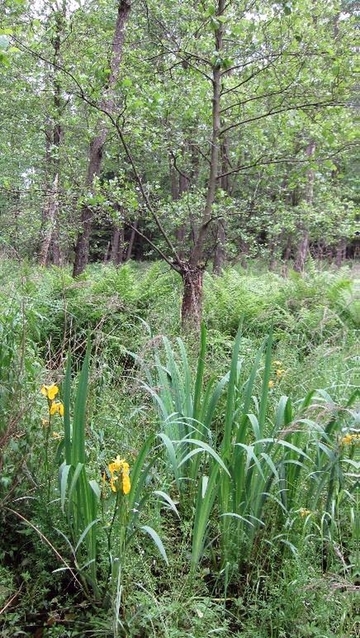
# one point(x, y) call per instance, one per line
point(119, 470)
point(50, 391)
point(56, 407)
point(348, 439)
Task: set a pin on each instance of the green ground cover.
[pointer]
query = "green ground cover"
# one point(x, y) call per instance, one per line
point(168, 485)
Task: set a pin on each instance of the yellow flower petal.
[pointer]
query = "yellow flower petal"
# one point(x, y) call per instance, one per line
point(50, 391)
point(304, 512)
point(116, 465)
point(119, 470)
point(112, 483)
point(349, 439)
point(56, 407)
point(279, 372)
point(126, 484)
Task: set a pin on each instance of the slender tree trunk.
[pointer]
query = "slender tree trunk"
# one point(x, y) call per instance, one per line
point(220, 252)
point(107, 105)
point(49, 218)
point(49, 233)
point(56, 253)
point(83, 239)
point(302, 252)
point(117, 246)
point(340, 252)
point(303, 246)
point(131, 242)
point(192, 272)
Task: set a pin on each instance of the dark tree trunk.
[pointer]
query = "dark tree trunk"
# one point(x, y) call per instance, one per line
point(193, 275)
point(107, 105)
point(340, 252)
point(288, 249)
point(191, 307)
point(56, 254)
point(83, 239)
point(117, 246)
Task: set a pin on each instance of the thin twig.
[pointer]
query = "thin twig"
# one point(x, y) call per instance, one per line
point(46, 540)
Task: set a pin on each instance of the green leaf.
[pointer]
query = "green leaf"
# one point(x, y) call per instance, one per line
point(157, 540)
point(167, 500)
point(201, 446)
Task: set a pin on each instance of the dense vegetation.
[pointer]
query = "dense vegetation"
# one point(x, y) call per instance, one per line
point(202, 133)
point(179, 315)
point(241, 514)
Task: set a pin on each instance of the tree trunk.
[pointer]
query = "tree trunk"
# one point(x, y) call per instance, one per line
point(117, 246)
point(83, 239)
point(220, 252)
point(56, 253)
point(49, 235)
point(131, 242)
point(49, 220)
point(302, 252)
point(303, 247)
point(340, 252)
point(192, 275)
point(191, 307)
point(107, 106)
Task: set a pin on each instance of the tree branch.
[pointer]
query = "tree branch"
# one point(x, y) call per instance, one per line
point(285, 160)
point(293, 107)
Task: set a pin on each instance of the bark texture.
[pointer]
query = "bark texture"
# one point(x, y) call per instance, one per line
point(106, 106)
point(192, 298)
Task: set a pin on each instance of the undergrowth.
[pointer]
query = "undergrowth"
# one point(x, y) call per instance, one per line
point(242, 517)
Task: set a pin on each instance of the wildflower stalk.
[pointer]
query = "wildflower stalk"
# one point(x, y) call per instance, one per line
point(79, 496)
point(54, 407)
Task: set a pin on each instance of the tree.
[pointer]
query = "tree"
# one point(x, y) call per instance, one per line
point(49, 233)
point(190, 134)
point(106, 107)
point(283, 78)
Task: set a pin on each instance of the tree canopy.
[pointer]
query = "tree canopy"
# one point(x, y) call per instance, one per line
point(201, 132)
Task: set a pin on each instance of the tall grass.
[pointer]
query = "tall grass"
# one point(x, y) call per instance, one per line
point(106, 516)
point(266, 457)
point(244, 472)
point(79, 495)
